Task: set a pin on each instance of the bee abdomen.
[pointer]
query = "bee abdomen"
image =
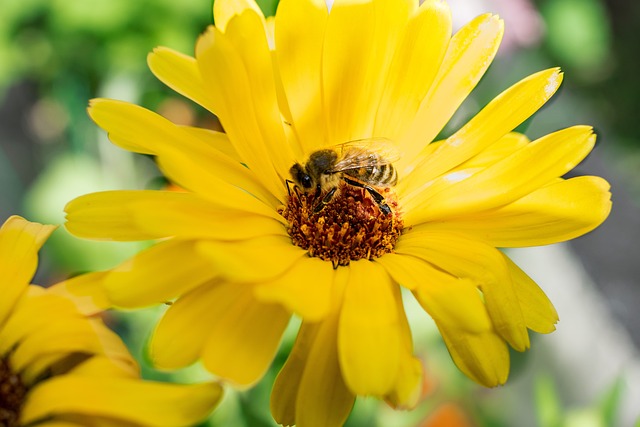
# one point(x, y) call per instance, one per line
point(389, 176)
point(383, 175)
point(378, 176)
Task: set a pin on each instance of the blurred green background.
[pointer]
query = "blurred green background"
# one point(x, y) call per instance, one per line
point(55, 55)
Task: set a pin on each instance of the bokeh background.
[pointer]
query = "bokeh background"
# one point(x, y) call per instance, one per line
point(55, 55)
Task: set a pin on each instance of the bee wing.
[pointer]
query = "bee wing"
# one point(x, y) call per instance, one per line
point(364, 153)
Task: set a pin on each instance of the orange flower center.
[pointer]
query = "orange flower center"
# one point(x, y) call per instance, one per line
point(348, 227)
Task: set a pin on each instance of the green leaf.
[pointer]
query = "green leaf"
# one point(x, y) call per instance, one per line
point(548, 406)
point(578, 33)
point(611, 402)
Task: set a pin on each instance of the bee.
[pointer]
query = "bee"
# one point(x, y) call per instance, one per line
point(366, 164)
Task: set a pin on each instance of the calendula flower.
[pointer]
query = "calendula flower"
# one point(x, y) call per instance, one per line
point(326, 196)
point(60, 368)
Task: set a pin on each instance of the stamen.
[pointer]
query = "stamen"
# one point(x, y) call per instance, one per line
point(351, 226)
point(12, 395)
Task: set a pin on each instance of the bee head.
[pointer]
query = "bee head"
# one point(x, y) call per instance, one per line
point(300, 176)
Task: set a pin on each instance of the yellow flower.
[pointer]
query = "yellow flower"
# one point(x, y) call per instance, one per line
point(60, 368)
point(242, 249)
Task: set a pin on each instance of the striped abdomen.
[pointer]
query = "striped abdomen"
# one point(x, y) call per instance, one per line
point(383, 175)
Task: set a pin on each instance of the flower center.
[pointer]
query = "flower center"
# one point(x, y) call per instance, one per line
point(12, 394)
point(350, 226)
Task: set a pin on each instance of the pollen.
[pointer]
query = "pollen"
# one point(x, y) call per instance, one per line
point(348, 228)
point(12, 395)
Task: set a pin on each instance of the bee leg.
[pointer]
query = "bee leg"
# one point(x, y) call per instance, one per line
point(288, 183)
point(377, 197)
point(291, 184)
point(326, 199)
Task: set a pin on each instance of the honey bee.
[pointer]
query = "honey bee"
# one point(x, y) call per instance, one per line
point(363, 163)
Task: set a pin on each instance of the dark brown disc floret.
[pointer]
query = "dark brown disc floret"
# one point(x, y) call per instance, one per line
point(12, 395)
point(348, 228)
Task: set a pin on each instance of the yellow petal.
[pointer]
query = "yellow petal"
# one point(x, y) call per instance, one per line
point(28, 317)
point(562, 210)
point(270, 29)
point(539, 313)
point(137, 283)
point(106, 215)
point(309, 390)
point(224, 10)
point(150, 214)
point(188, 160)
point(299, 61)
point(447, 299)
point(113, 347)
point(235, 335)
point(286, 389)
point(506, 313)
point(495, 152)
point(359, 46)
point(369, 337)
point(511, 178)
point(195, 175)
point(409, 387)
point(304, 289)
point(502, 148)
point(402, 268)
point(189, 217)
point(415, 192)
point(255, 260)
point(216, 139)
point(135, 401)
point(180, 335)
point(86, 292)
point(242, 78)
point(291, 134)
point(244, 338)
point(409, 384)
point(58, 423)
point(41, 346)
point(20, 241)
point(484, 265)
point(101, 366)
point(247, 34)
point(287, 383)
point(498, 118)
point(42, 367)
point(468, 56)
point(414, 67)
point(456, 307)
point(122, 121)
point(66, 336)
point(323, 398)
point(482, 357)
point(181, 73)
